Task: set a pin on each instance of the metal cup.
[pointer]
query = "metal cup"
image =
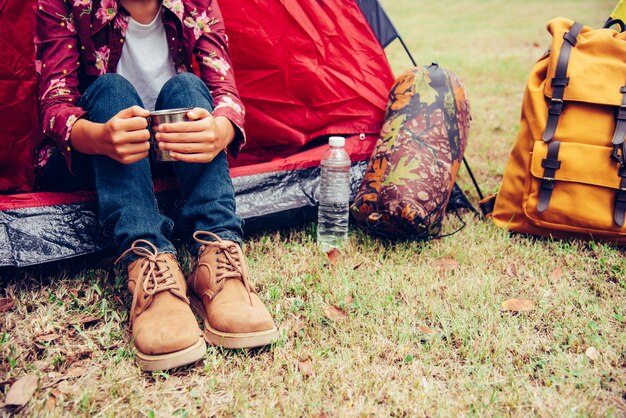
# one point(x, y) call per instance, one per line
point(155, 119)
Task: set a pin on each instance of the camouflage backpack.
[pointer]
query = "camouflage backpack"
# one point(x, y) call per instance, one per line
point(409, 178)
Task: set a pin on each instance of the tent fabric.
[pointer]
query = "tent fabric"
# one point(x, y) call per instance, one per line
point(379, 21)
point(18, 99)
point(305, 69)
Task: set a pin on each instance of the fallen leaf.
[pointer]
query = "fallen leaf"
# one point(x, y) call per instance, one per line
point(333, 256)
point(556, 274)
point(51, 402)
point(22, 390)
point(73, 292)
point(85, 320)
point(511, 270)
point(46, 338)
point(113, 346)
point(446, 264)
point(17, 340)
point(6, 304)
point(426, 330)
point(306, 367)
point(72, 358)
point(6, 384)
point(356, 267)
point(68, 389)
point(76, 372)
point(42, 365)
point(334, 313)
point(518, 305)
point(52, 376)
point(592, 353)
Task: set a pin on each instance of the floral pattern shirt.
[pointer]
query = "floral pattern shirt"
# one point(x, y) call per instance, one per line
point(79, 40)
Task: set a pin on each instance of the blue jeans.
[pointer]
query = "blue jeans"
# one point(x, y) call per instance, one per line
point(126, 201)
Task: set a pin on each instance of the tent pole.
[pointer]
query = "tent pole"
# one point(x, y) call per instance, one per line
point(469, 171)
point(407, 50)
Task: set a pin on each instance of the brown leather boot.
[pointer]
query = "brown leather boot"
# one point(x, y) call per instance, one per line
point(234, 316)
point(164, 329)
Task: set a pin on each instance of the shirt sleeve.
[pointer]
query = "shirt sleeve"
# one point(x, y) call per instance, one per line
point(58, 60)
point(216, 69)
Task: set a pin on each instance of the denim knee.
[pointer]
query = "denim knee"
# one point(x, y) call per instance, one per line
point(184, 90)
point(113, 80)
point(182, 80)
point(111, 84)
point(107, 95)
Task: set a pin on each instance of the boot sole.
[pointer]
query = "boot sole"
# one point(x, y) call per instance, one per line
point(183, 357)
point(232, 340)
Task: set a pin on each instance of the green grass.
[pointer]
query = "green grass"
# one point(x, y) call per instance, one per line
point(418, 339)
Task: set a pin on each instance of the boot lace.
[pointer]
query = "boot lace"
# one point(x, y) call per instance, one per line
point(154, 275)
point(230, 262)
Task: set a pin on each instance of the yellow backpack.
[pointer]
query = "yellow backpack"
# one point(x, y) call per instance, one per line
point(566, 175)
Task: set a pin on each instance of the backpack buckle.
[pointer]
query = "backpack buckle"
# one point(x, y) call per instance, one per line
point(618, 156)
point(556, 106)
point(621, 113)
point(547, 183)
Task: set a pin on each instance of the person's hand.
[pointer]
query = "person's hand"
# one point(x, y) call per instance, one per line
point(125, 136)
point(199, 140)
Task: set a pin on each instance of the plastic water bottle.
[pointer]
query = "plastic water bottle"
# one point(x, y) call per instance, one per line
point(334, 196)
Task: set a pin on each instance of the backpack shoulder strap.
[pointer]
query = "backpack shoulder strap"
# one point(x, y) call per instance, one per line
point(560, 81)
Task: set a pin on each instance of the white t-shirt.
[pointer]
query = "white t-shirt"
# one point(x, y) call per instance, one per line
point(146, 60)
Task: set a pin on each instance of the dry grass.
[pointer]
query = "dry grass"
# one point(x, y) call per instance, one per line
point(421, 337)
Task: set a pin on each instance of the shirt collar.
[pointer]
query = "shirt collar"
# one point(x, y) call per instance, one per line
point(110, 10)
point(175, 6)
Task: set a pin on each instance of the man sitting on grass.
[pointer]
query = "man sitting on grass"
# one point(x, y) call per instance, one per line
point(103, 66)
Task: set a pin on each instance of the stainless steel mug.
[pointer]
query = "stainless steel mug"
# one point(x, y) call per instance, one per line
point(157, 118)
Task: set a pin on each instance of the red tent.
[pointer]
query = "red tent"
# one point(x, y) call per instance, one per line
point(306, 69)
point(18, 100)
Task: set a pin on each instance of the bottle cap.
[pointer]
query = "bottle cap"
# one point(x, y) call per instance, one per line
point(336, 141)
